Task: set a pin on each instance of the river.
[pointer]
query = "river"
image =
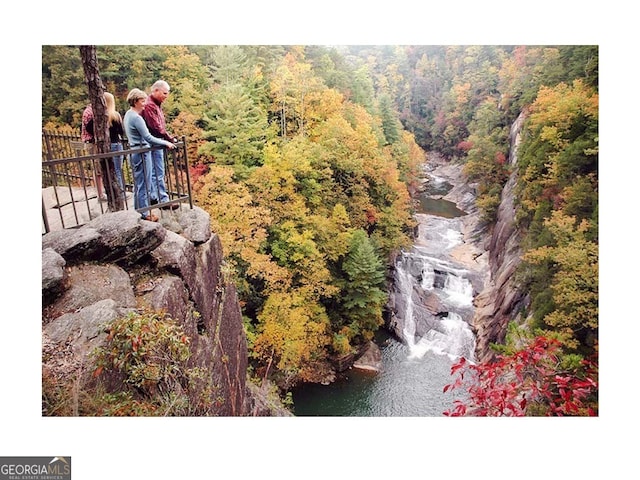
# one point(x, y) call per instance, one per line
point(432, 306)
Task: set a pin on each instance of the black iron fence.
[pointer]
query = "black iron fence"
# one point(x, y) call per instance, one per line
point(72, 190)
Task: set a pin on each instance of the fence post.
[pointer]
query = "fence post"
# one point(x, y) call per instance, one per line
point(186, 168)
point(48, 145)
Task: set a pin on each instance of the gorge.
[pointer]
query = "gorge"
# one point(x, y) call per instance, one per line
point(452, 295)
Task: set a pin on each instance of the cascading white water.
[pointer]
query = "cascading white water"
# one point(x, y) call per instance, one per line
point(459, 291)
point(448, 335)
point(454, 339)
point(452, 237)
point(435, 293)
point(406, 285)
point(428, 277)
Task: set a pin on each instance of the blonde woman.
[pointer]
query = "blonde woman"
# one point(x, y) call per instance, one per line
point(141, 164)
point(116, 133)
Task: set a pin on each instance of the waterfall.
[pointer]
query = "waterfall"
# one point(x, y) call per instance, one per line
point(428, 277)
point(409, 327)
point(433, 296)
point(454, 339)
point(459, 291)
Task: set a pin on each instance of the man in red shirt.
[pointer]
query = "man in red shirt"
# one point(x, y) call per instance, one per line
point(86, 131)
point(154, 118)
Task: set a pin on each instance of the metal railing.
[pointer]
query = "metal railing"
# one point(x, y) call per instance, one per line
point(58, 143)
point(70, 196)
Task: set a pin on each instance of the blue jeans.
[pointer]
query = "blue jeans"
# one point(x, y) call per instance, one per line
point(159, 189)
point(142, 168)
point(117, 163)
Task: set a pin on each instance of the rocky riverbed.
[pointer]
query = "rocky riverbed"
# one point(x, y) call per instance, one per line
point(471, 252)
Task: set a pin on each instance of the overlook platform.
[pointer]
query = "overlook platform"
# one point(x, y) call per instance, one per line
point(69, 183)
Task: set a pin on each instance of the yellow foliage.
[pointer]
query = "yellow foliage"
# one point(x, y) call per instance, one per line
point(240, 224)
point(559, 106)
point(575, 283)
point(341, 344)
point(461, 93)
point(333, 233)
point(293, 329)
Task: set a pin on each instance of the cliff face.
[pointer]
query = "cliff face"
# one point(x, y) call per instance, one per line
point(119, 263)
point(501, 299)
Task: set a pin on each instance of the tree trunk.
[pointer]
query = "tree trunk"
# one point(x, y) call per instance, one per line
point(100, 126)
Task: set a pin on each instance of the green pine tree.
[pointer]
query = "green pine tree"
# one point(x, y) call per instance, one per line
point(390, 124)
point(362, 295)
point(236, 129)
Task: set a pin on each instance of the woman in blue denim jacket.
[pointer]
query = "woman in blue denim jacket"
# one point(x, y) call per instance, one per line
point(141, 164)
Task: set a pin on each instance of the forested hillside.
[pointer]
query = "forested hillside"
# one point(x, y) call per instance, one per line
point(305, 158)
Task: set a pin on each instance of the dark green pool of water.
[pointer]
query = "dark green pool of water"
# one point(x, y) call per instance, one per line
point(442, 208)
point(431, 203)
point(407, 387)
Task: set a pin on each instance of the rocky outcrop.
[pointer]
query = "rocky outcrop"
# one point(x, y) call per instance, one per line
point(501, 300)
point(119, 263)
point(263, 401)
point(371, 359)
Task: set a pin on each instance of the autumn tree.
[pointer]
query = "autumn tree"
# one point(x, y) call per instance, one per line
point(558, 202)
point(242, 227)
point(293, 332)
point(333, 233)
point(276, 186)
point(560, 146)
point(569, 284)
point(184, 108)
point(291, 84)
point(528, 382)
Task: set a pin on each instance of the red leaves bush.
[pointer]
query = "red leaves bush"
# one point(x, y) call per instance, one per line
point(527, 382)
point(465, 146)
point(197, 170)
